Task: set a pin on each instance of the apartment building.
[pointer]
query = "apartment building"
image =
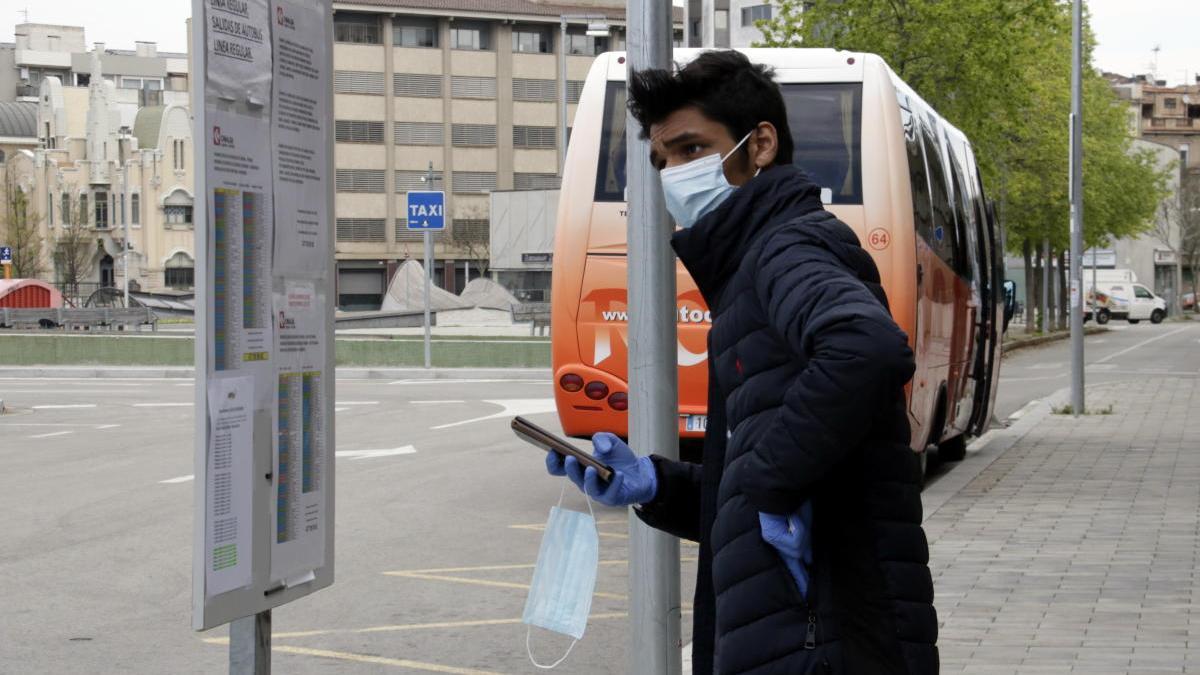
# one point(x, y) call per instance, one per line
point(467, 87)
point(142, 76)
point(120, 172)
point(733, 23)
point(1166, 115)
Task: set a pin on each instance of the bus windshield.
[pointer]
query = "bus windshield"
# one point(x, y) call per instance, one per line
point(826, 124)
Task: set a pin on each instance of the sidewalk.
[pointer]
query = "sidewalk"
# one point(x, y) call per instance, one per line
point(1076, 549)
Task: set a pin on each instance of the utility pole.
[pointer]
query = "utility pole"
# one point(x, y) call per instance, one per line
point(1077, 402)
point(562, 96)
point(654, 593)
point(1047, 263)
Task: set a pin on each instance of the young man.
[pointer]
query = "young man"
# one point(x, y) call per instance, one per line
point(807, 504)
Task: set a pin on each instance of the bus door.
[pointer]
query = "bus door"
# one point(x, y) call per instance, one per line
point(991, 254)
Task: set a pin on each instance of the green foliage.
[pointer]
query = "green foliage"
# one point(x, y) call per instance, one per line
point(19, 230)
point(1000, 71)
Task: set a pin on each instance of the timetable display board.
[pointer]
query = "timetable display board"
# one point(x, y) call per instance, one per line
point(264, 462)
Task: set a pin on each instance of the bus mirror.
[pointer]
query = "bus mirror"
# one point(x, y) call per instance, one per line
point(1010, 301)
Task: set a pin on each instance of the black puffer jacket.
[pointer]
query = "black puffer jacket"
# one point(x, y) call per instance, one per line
point(806, 401)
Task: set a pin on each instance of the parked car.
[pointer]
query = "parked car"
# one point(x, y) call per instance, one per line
point(1188, 302)
point(1130, 302)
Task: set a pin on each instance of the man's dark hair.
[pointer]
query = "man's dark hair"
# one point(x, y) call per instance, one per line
point(724, 86)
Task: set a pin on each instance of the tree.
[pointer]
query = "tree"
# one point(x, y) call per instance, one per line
point(1188, 219)
point(1000, 71)
point(21, 231)
point(471, 237)
point(74, 251)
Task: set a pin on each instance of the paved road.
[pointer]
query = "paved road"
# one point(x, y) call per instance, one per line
point(434, 547)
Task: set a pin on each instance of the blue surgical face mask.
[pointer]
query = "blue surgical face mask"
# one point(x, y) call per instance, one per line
point(694, 189)
point(564, 579)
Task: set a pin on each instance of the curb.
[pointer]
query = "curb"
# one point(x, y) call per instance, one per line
point(1046, 339)
point(187, 373)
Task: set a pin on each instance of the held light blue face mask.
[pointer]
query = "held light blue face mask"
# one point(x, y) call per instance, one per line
point(694, 189)
point(564, 579)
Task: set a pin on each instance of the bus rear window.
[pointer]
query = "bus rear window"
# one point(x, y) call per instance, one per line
point(826, 125)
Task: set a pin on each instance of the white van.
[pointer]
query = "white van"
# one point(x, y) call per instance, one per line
point(1127, 301)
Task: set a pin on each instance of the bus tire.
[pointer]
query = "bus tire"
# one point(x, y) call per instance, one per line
point(1157, 316)
point(1103, 317)
point(954, 449)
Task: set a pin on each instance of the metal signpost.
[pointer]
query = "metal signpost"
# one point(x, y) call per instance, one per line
point(427, 213)
point(264, 436)
point(654, 593)
point(6, 260)
point(1077, 402)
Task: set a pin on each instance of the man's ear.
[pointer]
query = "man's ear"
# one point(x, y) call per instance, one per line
point(766, 145)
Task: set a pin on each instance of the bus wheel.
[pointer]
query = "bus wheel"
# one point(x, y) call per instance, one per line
point(1103, 317)
point(953, 450)
point(1157, 316)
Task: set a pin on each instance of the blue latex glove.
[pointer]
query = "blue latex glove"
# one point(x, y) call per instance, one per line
point(791, 536)
point(634, 480)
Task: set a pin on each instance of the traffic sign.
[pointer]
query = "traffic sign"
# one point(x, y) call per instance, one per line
point(5, 255)
point(427, 210)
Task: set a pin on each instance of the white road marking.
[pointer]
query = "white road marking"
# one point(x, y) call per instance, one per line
point(374, 454)
point(337, 410)
point(511, 408)
point(180, 479)
point(1046, 366)
point(435, 402)
point(70, 406)
point(108, 426)
point(163, 405)
point(1141, 344)
point(358, 402)
point(55, 424)
point(53, 434)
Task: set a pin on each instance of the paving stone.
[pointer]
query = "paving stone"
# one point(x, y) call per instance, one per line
point(1078, 550)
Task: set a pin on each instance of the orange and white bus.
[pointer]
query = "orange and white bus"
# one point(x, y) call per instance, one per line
point(899, 175)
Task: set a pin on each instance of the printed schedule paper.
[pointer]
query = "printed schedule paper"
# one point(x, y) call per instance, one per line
point(229, 470)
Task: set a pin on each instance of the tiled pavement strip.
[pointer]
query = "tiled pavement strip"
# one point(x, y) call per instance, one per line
point(1076, 550)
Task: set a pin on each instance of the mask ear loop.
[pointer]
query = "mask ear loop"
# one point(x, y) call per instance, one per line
point(529, 629)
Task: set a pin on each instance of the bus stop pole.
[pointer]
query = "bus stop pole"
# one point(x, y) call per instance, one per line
point(1077, 402)
point(250, 645)
point(654, 594)
point(428, 241)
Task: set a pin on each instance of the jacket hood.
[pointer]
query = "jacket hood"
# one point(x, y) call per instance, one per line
point(712, 249)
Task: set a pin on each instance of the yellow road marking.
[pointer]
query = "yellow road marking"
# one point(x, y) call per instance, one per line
point(541, 527)
point(495, 568)
point(484, 582)
point(381, 661)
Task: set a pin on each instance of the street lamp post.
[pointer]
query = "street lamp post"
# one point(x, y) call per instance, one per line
point(428, 239)
point(1077, 402)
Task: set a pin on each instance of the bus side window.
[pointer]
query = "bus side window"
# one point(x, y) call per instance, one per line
point(966, 234)
point(918, 176)
point(945, 238)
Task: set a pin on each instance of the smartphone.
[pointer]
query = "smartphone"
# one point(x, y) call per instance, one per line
point(532, 433)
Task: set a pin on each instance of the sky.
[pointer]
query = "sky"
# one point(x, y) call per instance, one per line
point(1128, 30)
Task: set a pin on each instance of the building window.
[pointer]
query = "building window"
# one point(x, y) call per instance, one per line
point(121, 201)
point(420, 133)
point(357, 82)
point(83, 209)
point(535, 181)
point(357, 131)
point(414, 32)
point(180, 272)
point(65, 209)
point(178, 215)
point(150, 83)
point(473, 135)
point(574, 90)
point(538, 138)
point(525, 89)
point(471, 229)
point(359, 180)
point(361, 230)
point(417, 86)
point(49, 208)
point(1170, 103)
point(462, 86)
point(474, 181)
point(582, 44)
point(135, 208)
point(474, 35)
point(101, 201)
point(359, 29)
point(178, 156)
point(531, 39)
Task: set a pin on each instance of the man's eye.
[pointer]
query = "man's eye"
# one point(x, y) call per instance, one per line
point(693, 149)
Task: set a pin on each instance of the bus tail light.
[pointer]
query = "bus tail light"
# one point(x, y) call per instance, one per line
point(571, 382)
point(597, 391)
point(619, 401)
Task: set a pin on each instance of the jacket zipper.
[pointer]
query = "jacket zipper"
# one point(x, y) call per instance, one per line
point(810, 638)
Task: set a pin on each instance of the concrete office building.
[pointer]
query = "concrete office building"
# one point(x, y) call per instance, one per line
point(733, 22)
point(105, 164)
point(142, 76)
point(469, 86)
